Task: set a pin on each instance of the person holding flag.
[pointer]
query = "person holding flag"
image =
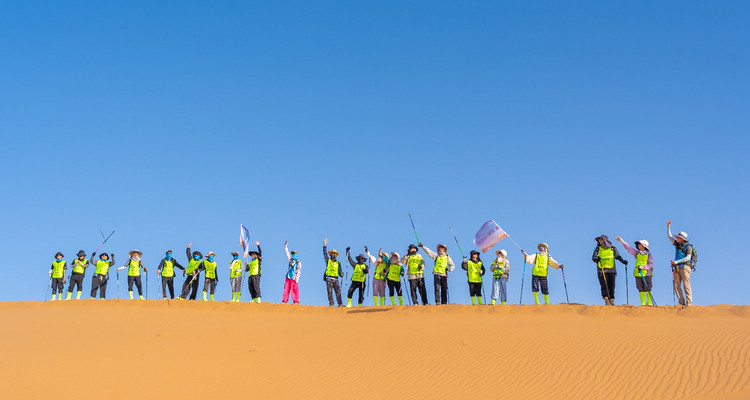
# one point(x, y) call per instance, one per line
point(541, 262)
point(253, 268)
point(134, 266)
point(101, 274)
point(57, 274)
point(415, 272)
point(235, 276)
point(443, 265)
point(500, 271)
point(379, 277)
point(166, 270)
point(474, 271)
point(192, 272)
point(76, 277)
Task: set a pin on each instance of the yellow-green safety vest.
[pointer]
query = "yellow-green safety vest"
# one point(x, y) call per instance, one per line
point(102, 267)
point(58, 269)
point(380, 270)
point(606, 257)
point(192, 266)
point(235, 269)
point(134, 268)
point(359, 273)
point(210, 269)
point(394, 273)
point(167, 270)
point(254, 266)
point(474, 270)
point(641, 260)
point(540, 265)
point(79, 266)
point(414, 262)
point(498, 273)
point(441, 265)
point(332, 269)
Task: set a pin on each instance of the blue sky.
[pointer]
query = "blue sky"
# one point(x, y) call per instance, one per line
point(172, 122)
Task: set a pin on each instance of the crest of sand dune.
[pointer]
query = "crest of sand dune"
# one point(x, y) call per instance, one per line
point(185, 350)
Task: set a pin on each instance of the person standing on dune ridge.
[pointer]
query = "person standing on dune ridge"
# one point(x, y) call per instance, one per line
point(253, 268)
point(395, 272)
point(76, 277)
point(474, 271)
point(192, 274)
point(332, 274)
point(682, 266)
point(500, 271)
point(211, 277)
point(604, 256)
point(379, 277)
point(541, 262)
point(134, 266)
point(57, 274)
point(101, 274)
point(415, 272)
point(293, 273)
point(443, 265)
point(358, 277)
point(166, 271)
point(644, 265)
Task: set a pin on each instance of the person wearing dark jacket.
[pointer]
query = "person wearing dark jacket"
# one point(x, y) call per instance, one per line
point(166, 270)
point(101, 274)
point(604, 256)
point(358, 277)
point(76, 277)
point(332, 273)
point(57, 274)
point(192, 274)
point(253, 268)
point(474, 270)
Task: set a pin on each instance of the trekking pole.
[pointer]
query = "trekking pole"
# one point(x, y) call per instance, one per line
point(523, 276)
point(674, 289)
point(565, 284)
point(49, 285)
point(146, 273)
point(627, 293)
point(457, 244)
point(118, 285)
point(105, 241)
point(650, 296)
point(412, 227)
point(606, 285)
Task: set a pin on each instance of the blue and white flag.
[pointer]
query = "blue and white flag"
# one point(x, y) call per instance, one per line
point(245, 240)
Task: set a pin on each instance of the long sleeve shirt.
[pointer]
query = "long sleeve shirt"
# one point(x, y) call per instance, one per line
point(505, 268)
point(174, 261)
point(326, 258)
point(688, 250)
point(405, 263)
point(531, 259)
point(434, 256)
point(595, 258)
point(634, 252)
point(111, 260)
point(465, 266)
point(295, 267)
point(353, 263)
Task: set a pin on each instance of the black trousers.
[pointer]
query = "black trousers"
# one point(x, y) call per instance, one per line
point(209, 283)
point(57, 285)
point(475, 289)
point(76, 280)
point(137, 281)
point(357, 286)
point(190, 288)
point(253, 283)
point(608, 287)
point(167, 282)
point(418, 285)
point(332, 285)
point(394, 287)
point(441, 289)
point(99, 281)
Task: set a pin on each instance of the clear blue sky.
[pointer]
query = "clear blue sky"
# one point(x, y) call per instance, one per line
point(172, 122)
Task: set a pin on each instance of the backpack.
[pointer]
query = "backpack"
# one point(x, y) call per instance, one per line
point(693, 257)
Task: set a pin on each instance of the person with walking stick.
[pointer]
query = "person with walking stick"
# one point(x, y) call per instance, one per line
point(57, 274)
point(604, 256)
point(644, 266)
point(541, 262)
point(443, 265)
point(500, 272)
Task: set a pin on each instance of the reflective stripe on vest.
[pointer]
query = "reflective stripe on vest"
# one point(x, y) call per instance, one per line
point(606, 257)
point(540, 265)
point(359, 273)
point(102, 267)
point(254, 267)
point(192, 266)
point(474, 270)
point(58, 269)
point(641, 260)
point(414, 262)
point(498, 272)
point(80, 266)
point(394, 273)
point(167, 270)
point(441, 264)
point(332, 269)
point(134, 268)
point(210, 269)
point(380, 269)
point(235, 269)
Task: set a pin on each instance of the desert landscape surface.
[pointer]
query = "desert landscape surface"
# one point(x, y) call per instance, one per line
point(110, 349)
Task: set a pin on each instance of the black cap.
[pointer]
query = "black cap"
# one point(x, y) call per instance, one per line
point(59, 254)
point(413, 246)
point(81, 253)
point(197, 253)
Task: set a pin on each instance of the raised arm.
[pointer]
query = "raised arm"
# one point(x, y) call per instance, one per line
point(349, 257)
point(627, 247)
point(429, 252)
point(325, 250)
point(669, 232)
point(286, 250)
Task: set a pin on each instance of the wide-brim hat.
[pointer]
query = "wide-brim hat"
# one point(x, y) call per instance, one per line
point(542, 245)
point(441, 245)
point(362, 256)
point(682, 235)
point(135, 252)
point(643, 243)
point(234, 253)
point(197, 253)
point(395, 253)
point(332, 252)
point(471, 253)
point(413, 246)
point(103, 254)
point(168, 251)
point(211, 253)
point(59, 254)
point(81, 253)
point(605, 237)
point(503, 252)
point(253, 252)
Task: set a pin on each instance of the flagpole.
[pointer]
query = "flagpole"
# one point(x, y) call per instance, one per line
point(514, 242)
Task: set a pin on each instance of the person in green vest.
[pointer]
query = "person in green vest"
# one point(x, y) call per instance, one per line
point(443, 265)
point(192, 274)
point(332, 274)
point(415, 272)
point(395, 272)
point(166, 271)
point(643, 271)
point(604, 256)
point(253, 268)
point(474, 270)
point(541, 262)
point(235, 276)
point(211, 277)
point(379, 278)
point(134, 267)
point(76, 277)
point(57, 273)
point(500, 271)
point(101, 274)
point(358, 277)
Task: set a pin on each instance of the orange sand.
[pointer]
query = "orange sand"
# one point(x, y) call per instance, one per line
point(92, 349)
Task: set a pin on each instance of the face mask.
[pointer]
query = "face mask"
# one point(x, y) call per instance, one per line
point(136, 258)
point(210, 258)
point(235, 257)
point(295, 257)
point(168, 256)
point(412, 252)
point(196, 257)
point(58, 259)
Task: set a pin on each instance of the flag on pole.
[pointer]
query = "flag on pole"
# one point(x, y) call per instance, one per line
point(244, 240)
point(489, 235)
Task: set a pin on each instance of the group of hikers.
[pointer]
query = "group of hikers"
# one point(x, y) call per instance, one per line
point(389, 270)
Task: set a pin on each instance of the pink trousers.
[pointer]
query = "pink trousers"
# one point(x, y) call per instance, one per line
point(290, 285)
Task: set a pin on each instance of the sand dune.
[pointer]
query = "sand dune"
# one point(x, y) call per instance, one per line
point(147, 349)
